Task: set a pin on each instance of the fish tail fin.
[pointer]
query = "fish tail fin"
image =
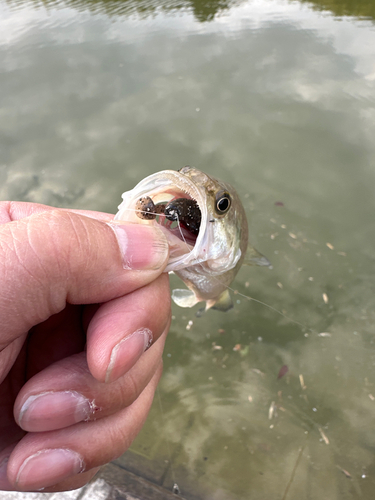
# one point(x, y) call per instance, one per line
point(223, 303)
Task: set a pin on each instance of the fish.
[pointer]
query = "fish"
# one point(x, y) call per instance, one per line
point(206, 227)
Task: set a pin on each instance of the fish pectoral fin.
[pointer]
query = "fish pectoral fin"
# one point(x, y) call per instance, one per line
point(255, 258)
point(184, 297)
point(223, 303)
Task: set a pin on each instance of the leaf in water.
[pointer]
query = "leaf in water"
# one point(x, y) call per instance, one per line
point(345, 472)
point(324, 437)
point(244, 350)
point(283, 371)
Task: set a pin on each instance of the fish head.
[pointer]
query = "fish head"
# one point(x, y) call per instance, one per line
point(221, 242)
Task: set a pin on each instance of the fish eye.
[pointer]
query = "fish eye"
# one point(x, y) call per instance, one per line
point(223, 202)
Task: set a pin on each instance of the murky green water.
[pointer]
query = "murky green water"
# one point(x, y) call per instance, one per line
point(277, 97)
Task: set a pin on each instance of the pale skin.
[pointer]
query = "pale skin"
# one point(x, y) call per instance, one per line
point(84, 313)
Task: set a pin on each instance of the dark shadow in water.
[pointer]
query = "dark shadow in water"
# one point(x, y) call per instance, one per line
point(203, 10)
point(363, 9)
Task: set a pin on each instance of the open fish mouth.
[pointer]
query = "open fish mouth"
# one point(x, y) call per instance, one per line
point(175, 203)
point(181, 215)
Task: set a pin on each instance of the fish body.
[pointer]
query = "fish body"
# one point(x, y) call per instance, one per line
point(206, 227)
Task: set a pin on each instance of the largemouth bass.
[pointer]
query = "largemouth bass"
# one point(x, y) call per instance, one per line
point(206, 227)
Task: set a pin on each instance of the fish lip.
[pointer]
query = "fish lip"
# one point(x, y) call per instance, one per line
point(163, 182)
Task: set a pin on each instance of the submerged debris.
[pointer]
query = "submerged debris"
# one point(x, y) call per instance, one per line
point(272, 410)
point(345, 472)
point(176, 489)
point(283, 371)
point(324, 437)
point(189, 325)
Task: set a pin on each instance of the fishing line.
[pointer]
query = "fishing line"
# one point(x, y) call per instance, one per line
point(236, 292)
point(296, 412)
point(291, 479)
point(182, 235)
point(175, 488)
point(303, 416)
point(142, 211)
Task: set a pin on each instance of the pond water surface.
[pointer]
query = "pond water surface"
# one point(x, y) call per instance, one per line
point(277, 97)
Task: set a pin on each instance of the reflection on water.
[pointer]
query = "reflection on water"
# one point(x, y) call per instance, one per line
point(203, 10)
point(278, 99)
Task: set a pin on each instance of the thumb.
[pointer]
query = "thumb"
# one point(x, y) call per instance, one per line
point(54, 257)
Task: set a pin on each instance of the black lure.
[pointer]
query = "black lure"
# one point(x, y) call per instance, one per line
point(182, 210)
point(185, 211)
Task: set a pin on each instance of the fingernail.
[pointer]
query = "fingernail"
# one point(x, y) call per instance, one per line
point(142, 247)
point(125, 354)
point(62, 409)
point(48, 467)
point(4, 483)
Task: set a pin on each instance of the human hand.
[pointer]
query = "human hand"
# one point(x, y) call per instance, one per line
point(81, 299)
